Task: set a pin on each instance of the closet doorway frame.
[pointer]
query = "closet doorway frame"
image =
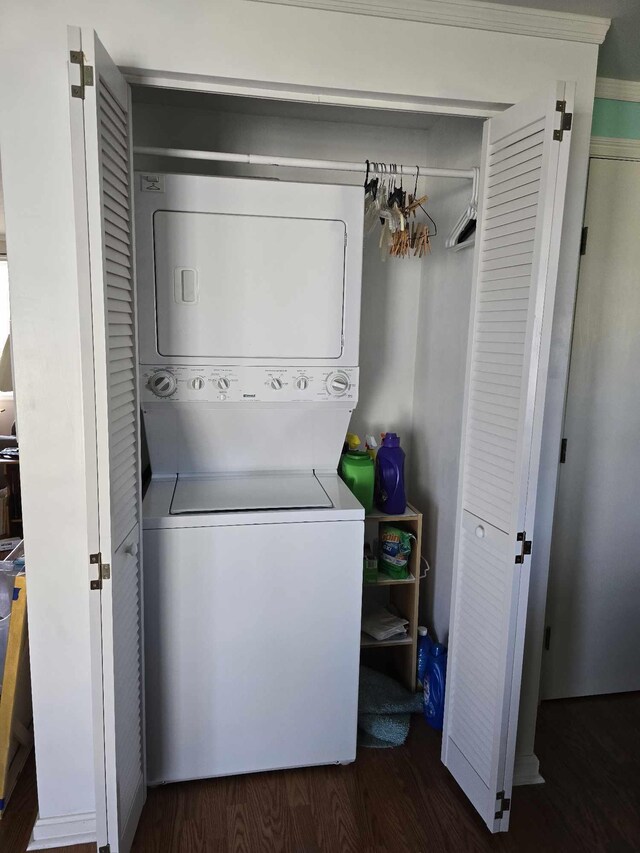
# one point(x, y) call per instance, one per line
point(526, 762)
point(600, 148)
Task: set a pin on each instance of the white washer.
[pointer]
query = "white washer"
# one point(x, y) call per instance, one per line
point(252, 627)
point(248, 305)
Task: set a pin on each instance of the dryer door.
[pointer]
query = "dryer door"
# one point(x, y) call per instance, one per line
point(247, 271)
point(238, 286)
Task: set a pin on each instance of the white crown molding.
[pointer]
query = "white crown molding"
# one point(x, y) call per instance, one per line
point(617, 90)
point(63, 831)
point(474, 14)
point(615, 149)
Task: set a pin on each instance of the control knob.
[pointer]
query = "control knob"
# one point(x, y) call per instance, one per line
point(197, 384)
point(338, 384)
point(163, 383)
point(302, 383)
point(223, 383)
point(276, 383)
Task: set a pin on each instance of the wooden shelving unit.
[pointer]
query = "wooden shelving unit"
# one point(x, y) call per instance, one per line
point(403, 595)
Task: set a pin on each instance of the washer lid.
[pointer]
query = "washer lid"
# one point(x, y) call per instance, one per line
point(257, 491)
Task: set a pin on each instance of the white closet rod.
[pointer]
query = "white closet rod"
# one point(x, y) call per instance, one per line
point(298, 163)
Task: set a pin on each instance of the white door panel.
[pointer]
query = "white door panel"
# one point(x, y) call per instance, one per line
point(100, 144)
point(523, 183)
point(124, 758)
point(594, 582)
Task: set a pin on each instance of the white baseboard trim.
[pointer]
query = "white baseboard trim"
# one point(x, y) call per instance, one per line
point(527, 770)
point(63, 831)
point(615, 149)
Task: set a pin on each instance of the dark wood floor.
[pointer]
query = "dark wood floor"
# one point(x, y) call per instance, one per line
point(392, 801)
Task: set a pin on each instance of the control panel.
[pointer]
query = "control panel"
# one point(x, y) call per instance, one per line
point(249, 384)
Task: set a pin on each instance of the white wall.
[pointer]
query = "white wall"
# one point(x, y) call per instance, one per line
point(45, 312)
point(443, 324)
point(3, 244)
point(234, 40)
point(390, 288)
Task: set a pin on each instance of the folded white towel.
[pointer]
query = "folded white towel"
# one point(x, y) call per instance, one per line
point(381, 625)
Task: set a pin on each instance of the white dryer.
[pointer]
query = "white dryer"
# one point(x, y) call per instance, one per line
point(248, 314)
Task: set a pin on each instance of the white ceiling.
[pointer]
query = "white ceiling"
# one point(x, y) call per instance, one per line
point(620, 53)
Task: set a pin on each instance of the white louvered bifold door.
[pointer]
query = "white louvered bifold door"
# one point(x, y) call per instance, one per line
point(120, 765)
point(523, 179)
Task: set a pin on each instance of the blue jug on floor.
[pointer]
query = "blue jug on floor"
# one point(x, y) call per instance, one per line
point(434, 681)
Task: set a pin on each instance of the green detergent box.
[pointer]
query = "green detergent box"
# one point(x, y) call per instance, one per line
point(395, 551)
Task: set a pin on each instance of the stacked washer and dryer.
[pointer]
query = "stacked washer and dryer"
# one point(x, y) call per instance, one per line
point(248, 315)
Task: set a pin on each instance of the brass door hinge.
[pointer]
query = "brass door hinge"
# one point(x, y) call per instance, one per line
point(76, 57)
point(104, 570)
point(566, 120)
point(525, 547)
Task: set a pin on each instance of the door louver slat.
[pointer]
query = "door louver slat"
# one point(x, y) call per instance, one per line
point(123, 451)
point(121, 335)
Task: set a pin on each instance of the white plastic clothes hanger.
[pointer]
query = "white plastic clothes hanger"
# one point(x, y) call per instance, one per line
point(469, 215)
point(372, 199)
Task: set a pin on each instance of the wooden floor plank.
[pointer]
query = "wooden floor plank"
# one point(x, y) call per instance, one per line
point(402, 800)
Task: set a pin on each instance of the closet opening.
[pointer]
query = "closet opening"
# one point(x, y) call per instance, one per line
point(414, 310)
point(279, 313)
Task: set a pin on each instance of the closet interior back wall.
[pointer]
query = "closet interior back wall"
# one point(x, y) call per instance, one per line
point(391, 287)
point(441, 352)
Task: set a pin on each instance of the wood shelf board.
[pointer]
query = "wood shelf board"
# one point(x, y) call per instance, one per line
point(385, 580)
point(410, 514)
point(367, 642)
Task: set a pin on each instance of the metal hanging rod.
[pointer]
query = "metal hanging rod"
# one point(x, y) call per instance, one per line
point(298, 163)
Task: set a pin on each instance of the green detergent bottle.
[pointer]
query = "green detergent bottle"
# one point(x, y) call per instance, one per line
point(358, 471)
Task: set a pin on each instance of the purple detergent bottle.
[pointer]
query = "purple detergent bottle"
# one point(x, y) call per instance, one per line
point(389, 492)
